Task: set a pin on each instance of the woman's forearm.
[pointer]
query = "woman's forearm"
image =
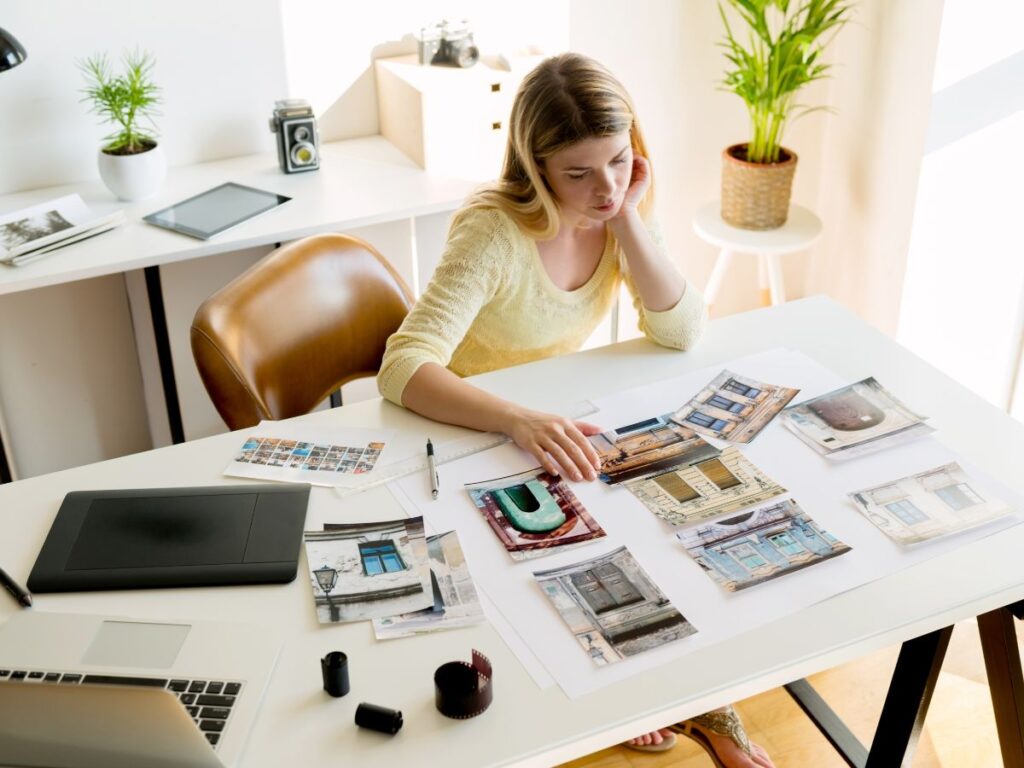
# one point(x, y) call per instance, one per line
point(657, 280)
point(559, 444)
point(439, 394)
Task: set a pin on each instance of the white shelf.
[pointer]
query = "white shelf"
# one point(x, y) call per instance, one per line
point(360, 182)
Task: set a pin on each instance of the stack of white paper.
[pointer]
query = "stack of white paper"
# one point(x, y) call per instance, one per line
point(30, 233)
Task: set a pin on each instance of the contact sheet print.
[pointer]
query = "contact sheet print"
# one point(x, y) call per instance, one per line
point(703, 538)
point(290, 453)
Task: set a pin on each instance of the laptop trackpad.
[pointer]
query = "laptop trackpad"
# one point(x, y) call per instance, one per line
point(131, 644)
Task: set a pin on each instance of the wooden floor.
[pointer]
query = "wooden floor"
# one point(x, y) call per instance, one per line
point(960, 730)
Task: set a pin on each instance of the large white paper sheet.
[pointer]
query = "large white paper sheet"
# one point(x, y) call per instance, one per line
point(497, 619)
point(818, 485)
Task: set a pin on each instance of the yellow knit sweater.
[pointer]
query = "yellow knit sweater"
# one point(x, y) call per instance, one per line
point(491, 304)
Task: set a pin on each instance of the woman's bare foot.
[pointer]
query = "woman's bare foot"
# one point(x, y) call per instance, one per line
point(654, 737)
point(732, 755)
point(721, 732)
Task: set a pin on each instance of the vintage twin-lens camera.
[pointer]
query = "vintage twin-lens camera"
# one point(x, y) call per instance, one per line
point(447, 45)
point(297, 142)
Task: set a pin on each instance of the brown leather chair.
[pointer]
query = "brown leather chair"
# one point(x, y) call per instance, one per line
point(293, 328)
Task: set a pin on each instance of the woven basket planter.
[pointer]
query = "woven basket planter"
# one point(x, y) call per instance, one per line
point(756, 195)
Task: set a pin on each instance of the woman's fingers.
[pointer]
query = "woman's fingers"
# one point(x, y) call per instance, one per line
point(573, 447)
point(560, 445)
point(580, 431)
point(546, 462)
point(569, 467)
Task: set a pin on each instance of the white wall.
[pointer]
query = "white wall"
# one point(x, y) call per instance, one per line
point(69, 379)
point(330, 46)
point(220, 65)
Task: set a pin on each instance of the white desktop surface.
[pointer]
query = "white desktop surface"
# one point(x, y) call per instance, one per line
point(300, 725)
point(360, 182)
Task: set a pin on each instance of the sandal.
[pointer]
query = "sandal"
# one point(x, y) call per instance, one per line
point(721, 722)
point(667, 743)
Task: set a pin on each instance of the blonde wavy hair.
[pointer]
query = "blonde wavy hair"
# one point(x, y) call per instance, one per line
point(563, 100)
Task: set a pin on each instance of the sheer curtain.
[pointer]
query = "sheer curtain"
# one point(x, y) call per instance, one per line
point(871, 155)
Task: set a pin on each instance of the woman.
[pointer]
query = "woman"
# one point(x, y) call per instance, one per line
point(532, 264)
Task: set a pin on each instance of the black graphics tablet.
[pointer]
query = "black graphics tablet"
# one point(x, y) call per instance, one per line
point(173, 537)
point(211, 212)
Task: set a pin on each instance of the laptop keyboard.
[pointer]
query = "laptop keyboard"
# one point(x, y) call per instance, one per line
point(209, 702)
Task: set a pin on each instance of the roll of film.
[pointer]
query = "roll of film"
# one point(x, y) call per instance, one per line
point(378, 718)
point(334, 667)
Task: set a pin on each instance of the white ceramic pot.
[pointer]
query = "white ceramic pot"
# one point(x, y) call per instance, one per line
point(134, 177)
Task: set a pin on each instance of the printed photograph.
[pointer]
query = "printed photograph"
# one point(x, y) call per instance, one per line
point(706, 484)
point(760, 545)
point(533, 513)
point(856, 419)
point(15, 233)
point(362, 571)
point(612, 607)
point(928, 505)
point(456, 603)
point(734, 408)
point(645, 448)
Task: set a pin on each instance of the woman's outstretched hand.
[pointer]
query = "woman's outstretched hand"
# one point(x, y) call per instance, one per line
point(559, 444)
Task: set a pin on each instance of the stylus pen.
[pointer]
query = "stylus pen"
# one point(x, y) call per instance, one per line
point(435, 481)
point(17, 591)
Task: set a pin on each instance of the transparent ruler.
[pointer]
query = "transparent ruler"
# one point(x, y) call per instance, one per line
point(444, 453)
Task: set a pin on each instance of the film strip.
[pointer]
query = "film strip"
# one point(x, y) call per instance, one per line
point(464, 689)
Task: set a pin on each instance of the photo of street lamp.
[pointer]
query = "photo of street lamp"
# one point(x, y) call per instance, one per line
point(326, 578)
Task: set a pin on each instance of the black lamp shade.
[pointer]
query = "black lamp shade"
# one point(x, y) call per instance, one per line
point(11, 51)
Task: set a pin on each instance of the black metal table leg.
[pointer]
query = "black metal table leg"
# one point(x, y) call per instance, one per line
point(163, 350)
point(906, 704)
point(842, 739)
point(1005, 684)
point(5, 468)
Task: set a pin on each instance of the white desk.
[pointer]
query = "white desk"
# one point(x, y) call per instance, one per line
point(300, 725)
point(361, 182)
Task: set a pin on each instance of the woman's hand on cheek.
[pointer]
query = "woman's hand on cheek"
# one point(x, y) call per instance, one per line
point(639, 181)
point(559, 444)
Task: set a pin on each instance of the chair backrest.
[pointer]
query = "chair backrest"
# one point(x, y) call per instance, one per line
point(293, 328)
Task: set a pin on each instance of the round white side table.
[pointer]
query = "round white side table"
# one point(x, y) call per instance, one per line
point(799, 232)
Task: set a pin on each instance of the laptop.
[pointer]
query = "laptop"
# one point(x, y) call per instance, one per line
point(80, 691)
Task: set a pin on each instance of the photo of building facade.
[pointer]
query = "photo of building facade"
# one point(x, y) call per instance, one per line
point(757, 546)
point(612, 607)
point(704, 485)
point(456, 603)
point(734, 408)
point(533, 513)
point(927, 505)
point(367, 570)
point(646, 447)
point(852, 420)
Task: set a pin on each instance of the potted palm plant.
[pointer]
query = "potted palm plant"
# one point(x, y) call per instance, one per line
point(784, 41)
point(131, 162)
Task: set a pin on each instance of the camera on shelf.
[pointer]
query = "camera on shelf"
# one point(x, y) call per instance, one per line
point(297, 142)
point(446, 45)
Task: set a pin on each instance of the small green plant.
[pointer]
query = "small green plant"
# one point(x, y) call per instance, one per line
point(784, 42)
point(123, 100)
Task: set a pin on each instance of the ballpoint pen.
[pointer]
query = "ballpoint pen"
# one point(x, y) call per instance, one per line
point(432, 468)
point(17, 591)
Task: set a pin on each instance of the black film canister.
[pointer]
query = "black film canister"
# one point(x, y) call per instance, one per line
point(378, 718)
point(335, 668)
